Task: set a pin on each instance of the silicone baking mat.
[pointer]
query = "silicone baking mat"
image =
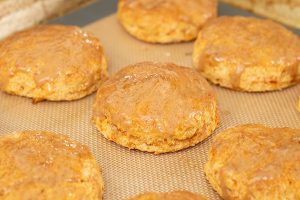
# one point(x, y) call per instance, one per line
point(129, 172)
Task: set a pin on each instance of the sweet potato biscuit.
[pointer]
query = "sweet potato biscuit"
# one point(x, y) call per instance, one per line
point(156, 107)
point(255, 162)
point(176, 195)
point(165, 21)
point(51, 62)
point(42, 165)
point(249, 54)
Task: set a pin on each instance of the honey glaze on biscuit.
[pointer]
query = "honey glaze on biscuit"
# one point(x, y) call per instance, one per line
point(190, 9)
point(157, 99)
point(33, 161)
point(48, 52)
point(262, 157)
point(249, 42)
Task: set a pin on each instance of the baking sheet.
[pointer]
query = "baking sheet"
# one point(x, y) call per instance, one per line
point(129, 172)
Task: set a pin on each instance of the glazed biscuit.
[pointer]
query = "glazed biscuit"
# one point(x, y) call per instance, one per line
point(42, 165)
point(51, 62)
point(156, 107)
point(248, 54)
point(255, 162)
point(176, 195)
point(165, 21)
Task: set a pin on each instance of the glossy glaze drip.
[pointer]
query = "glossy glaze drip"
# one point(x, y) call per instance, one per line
point(236, 77)
point(48, 52)
point(155, 98)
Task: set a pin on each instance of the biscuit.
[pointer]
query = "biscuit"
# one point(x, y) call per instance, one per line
point(51, 62)
point(165, 21)
point(156, 107)
point(176, 195)
point(255, 162)
point(286, 12)
point(248, 54)
point(42, 165)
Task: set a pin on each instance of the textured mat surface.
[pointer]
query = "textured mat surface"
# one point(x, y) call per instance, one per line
point(127, 173)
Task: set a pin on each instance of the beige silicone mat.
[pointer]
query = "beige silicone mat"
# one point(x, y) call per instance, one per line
point(128, 173)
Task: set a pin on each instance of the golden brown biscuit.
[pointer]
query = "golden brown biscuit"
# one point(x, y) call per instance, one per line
point(249, 54)
point(42, 165)
point(51, 62)
point(255, 162)
point(156, 107)
point(165, 21)
point(176, 195)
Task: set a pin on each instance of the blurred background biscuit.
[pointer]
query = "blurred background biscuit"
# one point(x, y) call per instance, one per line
point(255, 162)
point(248, 54)
point(51, 62)
point(156, 107)
point(43, 165)
point(165, 21)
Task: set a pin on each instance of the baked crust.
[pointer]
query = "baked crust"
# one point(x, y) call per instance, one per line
point(156, 107)
point(43, 165)
point(255, 162)
point(254, 55)
point(165, 21)
point(52, 62)
point(176, 195)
